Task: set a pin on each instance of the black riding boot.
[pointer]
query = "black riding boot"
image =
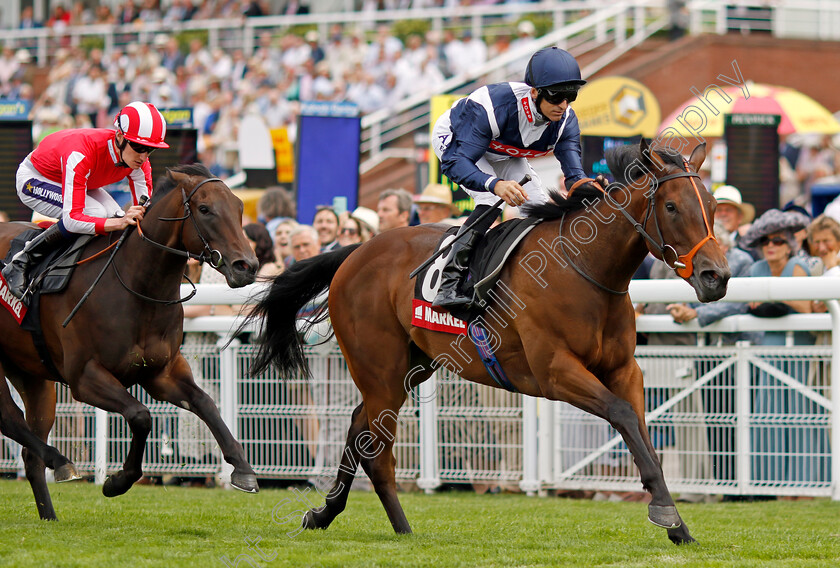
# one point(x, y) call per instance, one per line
point(15, 271)
point(448, 295)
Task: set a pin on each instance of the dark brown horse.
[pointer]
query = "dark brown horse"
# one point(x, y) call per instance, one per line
point(562, 324)
point(127, 332)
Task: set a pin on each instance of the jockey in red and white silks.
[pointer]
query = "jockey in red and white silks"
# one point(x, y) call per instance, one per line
point(63, 178)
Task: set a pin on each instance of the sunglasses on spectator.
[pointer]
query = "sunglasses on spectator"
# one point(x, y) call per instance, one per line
point(141, 148)
point(557, 96)
point(777, 241)
point(348, 231)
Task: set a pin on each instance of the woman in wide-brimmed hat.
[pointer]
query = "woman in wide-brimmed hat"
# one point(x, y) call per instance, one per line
point(772, 235)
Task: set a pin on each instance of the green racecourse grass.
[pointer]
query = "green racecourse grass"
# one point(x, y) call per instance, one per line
point(173, 527)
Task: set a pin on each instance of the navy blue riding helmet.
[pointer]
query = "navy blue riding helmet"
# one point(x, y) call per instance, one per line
point(555, 74)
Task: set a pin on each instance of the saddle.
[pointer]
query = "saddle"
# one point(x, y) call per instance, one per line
point(486, 262)
point(52, 273)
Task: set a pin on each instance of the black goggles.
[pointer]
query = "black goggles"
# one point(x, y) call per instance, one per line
point(141, 148)
point(557, 96)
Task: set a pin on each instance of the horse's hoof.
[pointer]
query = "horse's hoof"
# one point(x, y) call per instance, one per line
point(308, 521)
point(680, 535)
point(116, 484)
point(665, 517)
point(246, 482)
point(66, 472)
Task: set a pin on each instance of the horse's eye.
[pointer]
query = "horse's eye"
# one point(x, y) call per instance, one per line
point(203, 209)
point(670, 207)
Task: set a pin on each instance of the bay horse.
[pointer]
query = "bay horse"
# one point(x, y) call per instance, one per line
point(127, 332)
point(565, 332)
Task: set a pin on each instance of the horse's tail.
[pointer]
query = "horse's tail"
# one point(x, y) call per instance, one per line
point(280, 343)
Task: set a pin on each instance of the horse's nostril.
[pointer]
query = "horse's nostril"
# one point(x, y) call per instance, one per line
point(714, 278)
point(243, 266)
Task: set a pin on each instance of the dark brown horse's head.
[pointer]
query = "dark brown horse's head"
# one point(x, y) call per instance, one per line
point(215, 226)
point(683, 219)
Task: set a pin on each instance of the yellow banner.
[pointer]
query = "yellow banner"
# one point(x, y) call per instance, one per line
point(284, 155)
point(617, 106)
point(439, 105)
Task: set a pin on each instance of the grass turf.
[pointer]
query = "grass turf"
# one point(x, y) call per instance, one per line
point(174, 527)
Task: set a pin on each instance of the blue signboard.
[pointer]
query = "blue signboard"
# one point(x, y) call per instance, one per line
point(327, 157)
point(14, 109)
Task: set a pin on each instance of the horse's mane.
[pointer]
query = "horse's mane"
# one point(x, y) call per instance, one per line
point(619, 159)
point(165, 184)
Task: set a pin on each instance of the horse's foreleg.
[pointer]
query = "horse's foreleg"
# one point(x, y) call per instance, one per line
point(628, 386)
point(623, 407)
point(336, 499)
point(99, 388)
point(179, 388)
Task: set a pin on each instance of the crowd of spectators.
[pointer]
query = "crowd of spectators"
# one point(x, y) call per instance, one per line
point(373, 69)
point(150, 11)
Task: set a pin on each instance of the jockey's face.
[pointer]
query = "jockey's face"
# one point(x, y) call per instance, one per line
point(131, 158)
point(548, 110)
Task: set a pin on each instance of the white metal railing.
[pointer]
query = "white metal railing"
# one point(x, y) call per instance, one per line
point(699, 400)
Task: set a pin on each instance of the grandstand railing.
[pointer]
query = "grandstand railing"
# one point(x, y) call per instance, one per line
point(738, 419)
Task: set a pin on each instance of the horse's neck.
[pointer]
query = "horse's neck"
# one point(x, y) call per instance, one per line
point(152, 268)
point(610, 248)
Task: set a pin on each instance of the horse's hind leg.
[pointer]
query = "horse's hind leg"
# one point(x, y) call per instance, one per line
point(376, 449)
point(179, 388)
point(14, 426)
point(336, 499)
point(97, 387)
point(39, 398)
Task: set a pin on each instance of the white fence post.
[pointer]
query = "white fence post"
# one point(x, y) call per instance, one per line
point(229, 395)
point(429, 479)
point(742, 416)
point(834, 309)
point(100, 449)
point(530, 483)
point(545, 444)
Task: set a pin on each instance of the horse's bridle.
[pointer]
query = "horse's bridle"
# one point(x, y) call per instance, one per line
point(682, 264)
point(212, 256)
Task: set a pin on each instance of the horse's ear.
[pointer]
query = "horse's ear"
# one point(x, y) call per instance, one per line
point(650, 158)
point(698, 156)
point(177, 177)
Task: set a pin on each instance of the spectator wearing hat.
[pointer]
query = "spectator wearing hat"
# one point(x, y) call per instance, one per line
point(434, 205)
point(773, 235)
point(734, 214)
point(525, 32)
point(316, 52)
point(803, 247)
point(368, 218)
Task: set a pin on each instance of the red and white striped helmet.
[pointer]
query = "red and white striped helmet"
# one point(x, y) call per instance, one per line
point(142, 123)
